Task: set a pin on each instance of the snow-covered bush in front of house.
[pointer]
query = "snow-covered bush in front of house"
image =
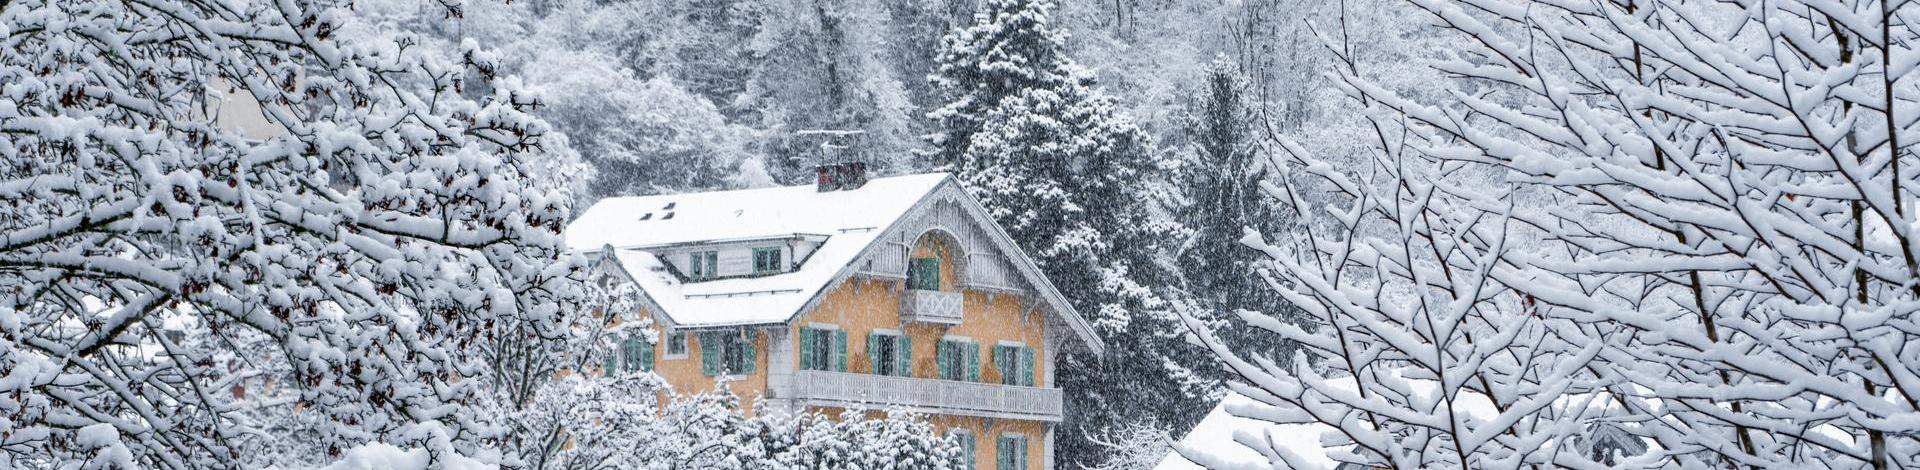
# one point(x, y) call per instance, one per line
point(607, 423)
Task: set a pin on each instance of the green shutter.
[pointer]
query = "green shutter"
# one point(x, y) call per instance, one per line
point(973, 363)
point(806, 349)
point(966, 448)
point(613, 362)
point(941, 359)
point(1026, 367)
point(749, 353)
point(905, 356)
point(873, 352)
point(840, 350)
point(646, 355)
point(709, 353)
point(927, 273)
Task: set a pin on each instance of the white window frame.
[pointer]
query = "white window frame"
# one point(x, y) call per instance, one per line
point(956, 339)
point(695, 261)
point(886, 332)
point(779, 259)
point(684, 342)
point(817, 326)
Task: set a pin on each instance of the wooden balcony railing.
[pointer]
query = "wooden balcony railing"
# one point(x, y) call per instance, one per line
point(932, 306)
point(821, 388)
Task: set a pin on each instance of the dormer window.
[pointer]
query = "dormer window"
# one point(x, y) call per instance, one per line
point(766, 260)
point(702, 265)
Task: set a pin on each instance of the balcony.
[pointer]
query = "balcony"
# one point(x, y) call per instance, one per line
point(932, 306)
point(818, 388)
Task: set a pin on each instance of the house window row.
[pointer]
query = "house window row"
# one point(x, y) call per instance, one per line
point(705, 265)
point(824, 348)
point(1010, 450)
point(721, 352)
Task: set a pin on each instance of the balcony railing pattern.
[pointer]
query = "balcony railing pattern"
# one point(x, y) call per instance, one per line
point(928, 395)
point(932, 306)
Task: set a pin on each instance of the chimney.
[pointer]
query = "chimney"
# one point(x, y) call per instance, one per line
point(840, 176)
point(854, 176)
point(826, 177)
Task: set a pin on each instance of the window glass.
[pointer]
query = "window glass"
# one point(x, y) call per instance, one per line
point(766, 260)
point(892, 354)
point(703, 264)
point(817, 349)
point(1015, 364)
point(1011, 453)
point(958, 360)
point(726, 352)
point(677, 344)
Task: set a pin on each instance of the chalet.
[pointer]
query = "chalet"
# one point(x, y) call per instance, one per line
point(849, 294)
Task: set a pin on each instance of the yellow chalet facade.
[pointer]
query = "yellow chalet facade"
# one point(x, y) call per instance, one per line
point(850, 294)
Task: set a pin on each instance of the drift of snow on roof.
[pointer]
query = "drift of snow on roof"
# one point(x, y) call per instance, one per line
point(849, 219)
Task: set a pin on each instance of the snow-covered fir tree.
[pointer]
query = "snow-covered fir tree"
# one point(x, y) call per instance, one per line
point(1632, 234)
point(1225, 168)
point(1072, 179)
point(184, 287)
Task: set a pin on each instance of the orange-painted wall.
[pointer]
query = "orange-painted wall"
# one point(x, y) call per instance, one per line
point(687, 379)
point(861, 305)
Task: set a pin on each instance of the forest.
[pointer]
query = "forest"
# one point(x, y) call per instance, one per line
point(1439, 233)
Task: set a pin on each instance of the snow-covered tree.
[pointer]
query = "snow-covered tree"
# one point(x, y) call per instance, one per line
point(824, 92)
point(1684, 225)
point(1224, 173)
point(1073, 180)
point(1010, 48)
point(643, 136)
point(179, 289)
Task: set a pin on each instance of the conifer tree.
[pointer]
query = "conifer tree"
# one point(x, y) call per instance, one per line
point(1066, 174)
point(1224, 202)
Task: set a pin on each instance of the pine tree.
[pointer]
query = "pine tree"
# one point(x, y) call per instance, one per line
point(1067, 175)
point(1009, 48)
point(1224, 202)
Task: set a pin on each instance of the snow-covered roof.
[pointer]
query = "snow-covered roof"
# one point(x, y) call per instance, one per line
point(640, 222)
point(635, 228)
point(1213, 440)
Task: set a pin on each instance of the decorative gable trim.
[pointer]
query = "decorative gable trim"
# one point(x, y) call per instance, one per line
point(949, 191)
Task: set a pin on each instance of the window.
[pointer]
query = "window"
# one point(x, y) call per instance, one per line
point(1011, 453)
point(823, 348)
point(964, 437)
point(630, 354)
point(958, 360)
point(924, 274)
point(703, 265)
point(1015, 364)
point(766, 260)
point(890, 353)
point(726, 352)
point(677, 345)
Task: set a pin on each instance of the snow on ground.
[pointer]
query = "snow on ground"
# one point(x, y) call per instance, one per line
point(1213, 439)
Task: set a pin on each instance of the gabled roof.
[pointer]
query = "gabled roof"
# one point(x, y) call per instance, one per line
point(630, 231)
